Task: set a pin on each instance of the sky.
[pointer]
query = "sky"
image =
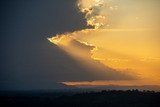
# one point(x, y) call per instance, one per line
point(98, 42)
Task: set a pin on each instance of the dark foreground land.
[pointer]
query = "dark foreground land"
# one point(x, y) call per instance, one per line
point(132, 98)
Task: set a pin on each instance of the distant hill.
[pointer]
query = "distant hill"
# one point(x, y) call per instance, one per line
point(117, 87)
point(130, 98)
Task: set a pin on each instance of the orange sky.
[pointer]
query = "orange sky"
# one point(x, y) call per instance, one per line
point(129, 46)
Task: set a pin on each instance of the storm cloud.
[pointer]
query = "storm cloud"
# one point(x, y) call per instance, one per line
point(27, 58)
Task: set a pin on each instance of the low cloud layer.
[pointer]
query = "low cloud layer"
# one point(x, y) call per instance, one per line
point(83, 53)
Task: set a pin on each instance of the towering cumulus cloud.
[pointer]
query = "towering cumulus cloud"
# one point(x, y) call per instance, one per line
point(95, 17)
point(116, 46)
point(92, 10)
point(97, 12)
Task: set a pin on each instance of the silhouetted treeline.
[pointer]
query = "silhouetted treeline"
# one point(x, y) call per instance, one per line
point(112, 98)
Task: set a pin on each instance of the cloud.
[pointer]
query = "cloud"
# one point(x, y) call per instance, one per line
point(94, 11)
point(121, 13)
point(84, 53)
point(114, 54)
point(26, 55)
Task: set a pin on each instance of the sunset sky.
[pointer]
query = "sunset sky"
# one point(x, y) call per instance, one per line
point(125, 38)
point(53, 43)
